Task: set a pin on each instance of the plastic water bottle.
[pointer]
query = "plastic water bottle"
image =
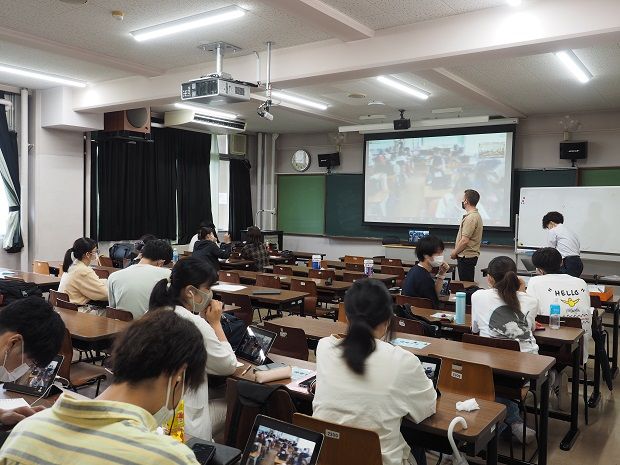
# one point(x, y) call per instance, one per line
point(316, 262)
point(460, 308)
point(175, 255)
point(554, 314)
point(369, 266)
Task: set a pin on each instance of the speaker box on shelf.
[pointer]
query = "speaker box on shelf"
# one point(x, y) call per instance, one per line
point(135, 120)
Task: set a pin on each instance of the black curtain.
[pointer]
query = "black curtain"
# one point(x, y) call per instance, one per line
point(240, 201)
point(9, 171)
point(137, 187)
point(193, 182)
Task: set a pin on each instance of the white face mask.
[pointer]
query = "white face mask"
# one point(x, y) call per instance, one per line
point(437, 260)
point(207, 297)
point(164, 413)
point(21, 370)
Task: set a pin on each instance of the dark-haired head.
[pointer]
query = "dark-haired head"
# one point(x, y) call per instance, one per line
point(159, 344)
point(428, 246)
point(207, 234)
point(188, 275)
point(140, 243)
point(83, 249)
point(158, 250)
point(254, 235)
point(552, 217)
point(548, 260)
point(502, 275)
point(368, 306)
point(472, 197)
point(35, 323)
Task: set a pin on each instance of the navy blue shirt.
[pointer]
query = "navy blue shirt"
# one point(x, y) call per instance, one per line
point(420, 283)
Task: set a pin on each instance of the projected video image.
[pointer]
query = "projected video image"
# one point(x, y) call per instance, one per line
point(421, 180)
point(275, 447)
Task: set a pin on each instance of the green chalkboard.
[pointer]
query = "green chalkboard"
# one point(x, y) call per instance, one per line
point(599, 176)
point(542, 178)
point(301, 204)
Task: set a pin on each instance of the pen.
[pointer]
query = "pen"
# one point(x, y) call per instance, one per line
point(246, 370)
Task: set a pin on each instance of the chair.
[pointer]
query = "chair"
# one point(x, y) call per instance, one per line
point(342, 314)
point(78, 374)
point(229, 277)
point(268, 280)
point(118, 314)
point(420, 302)
point(466, 378)
point(595, 301)
point(311, 301)
point(60, 303)
point(352, 276)
point(322, 274)
point(55, 295)
point(391, 262)
point(282, 270)
point(353, 267)
point(40, 267)
point(353, 259)
point(244, 302)
point(103, 274)
point(456, 287)
point(291, 342)
point(404, 325)
point(397, 271)
point(106, 261)
point(344, 444)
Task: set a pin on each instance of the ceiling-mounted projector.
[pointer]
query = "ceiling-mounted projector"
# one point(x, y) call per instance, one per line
point(402, 123)
point(216, 89)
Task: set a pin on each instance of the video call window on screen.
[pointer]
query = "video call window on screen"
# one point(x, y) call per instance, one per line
point(421, 179)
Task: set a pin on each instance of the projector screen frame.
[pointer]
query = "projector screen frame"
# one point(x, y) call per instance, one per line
point(456, 131)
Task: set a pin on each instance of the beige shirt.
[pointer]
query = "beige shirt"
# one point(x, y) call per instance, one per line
point(471, 226)
point(82, 284)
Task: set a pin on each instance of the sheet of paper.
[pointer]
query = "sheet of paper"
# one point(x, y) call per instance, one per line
point(240, 364)
point(9, 404)
point(445, 316)
point(596, 288)
point(299, 373)
point(223, 198)
point(227, 288)
point(412, 343)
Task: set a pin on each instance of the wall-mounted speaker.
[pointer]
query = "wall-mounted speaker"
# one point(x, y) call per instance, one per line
point(573, 150)
point(135, 120)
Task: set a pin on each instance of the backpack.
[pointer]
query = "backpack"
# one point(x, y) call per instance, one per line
point(234, 328)
point(15, 290)
point(404, 311)
point(120, 252)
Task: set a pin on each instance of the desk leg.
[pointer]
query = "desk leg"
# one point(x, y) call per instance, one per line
point(544, 423)
point(492, 447)
point(614, 364)
point(596, 393)
point(573, 432)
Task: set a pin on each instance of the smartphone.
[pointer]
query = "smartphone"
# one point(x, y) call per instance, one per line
point(204, 453)
point(270, 366)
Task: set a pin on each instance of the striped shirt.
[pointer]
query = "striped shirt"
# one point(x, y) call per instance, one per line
point(92, 432)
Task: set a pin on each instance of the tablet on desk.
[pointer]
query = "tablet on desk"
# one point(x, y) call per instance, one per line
point(38, 380)
point(255, 345)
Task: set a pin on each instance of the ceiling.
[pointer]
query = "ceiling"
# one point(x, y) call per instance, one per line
point(533, 84)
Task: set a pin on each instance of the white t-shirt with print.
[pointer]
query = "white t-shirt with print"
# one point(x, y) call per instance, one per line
point(491, 317)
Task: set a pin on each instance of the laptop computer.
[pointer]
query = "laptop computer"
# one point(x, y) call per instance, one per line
point(528, 264)
point(38, 381)
point(255, 345)
point(432, 367)
point(273, 441)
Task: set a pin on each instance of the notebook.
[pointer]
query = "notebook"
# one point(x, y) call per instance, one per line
point(273, 441)
point(255, 345)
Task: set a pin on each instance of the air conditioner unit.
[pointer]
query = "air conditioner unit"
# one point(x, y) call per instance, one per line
point(189, 120)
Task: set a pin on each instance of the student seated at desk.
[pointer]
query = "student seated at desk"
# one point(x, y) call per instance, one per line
point(138, 246)
point(203, 224)
point(120, 425)
point(23, 344)
point(207, 249)
point(130, 289)
point(364, 381)
point(254, 249)
point(419, 281)
point(506, 311)
point(79, 280)
point(188, 292)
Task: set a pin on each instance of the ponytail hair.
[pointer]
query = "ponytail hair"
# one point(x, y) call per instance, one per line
point(81, 247)
point(367, 304)
point(504, 271)
point(188, 271)
point(204, 232)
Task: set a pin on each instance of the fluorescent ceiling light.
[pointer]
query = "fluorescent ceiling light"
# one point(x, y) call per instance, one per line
point(41, 76)
point(206, 111)
point(404, 87)
point(574, 65)
point(513, 2)
point(188, 23)
point(299, 100)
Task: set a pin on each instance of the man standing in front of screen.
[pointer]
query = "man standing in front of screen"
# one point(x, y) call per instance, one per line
point(467, 244)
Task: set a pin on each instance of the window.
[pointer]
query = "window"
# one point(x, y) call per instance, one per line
point(223, 195)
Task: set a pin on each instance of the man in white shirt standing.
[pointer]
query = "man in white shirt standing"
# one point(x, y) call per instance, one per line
point(130, 289)
point(563, 239)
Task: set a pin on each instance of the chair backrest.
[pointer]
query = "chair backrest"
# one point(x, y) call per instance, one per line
point(40, 267)
point(342, 314)
point(351, 277)
point(405, 325)
point(228, 277)
point(240, 417)
point(353, 259)
point(290, 342)
point(60, 303)
point(302, 285)
point(55, 295)
point(466, 378)
point(118, 314)
point(244, 302)
point(456, 287)
point(268, 280)
point(106, 261)
point(421, 302)
point(391, 262)
point(322, 274)
point(354, 266)
point(66, 350)
point(569, 321)
point(500, 343)
point(595, 301)
point(343, 444)
point(394, 270)
point(283, 270)
point(103, 274)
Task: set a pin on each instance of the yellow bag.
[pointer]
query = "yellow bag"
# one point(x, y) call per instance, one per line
point(175, 427)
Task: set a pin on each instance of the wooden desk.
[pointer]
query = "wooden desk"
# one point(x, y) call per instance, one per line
point(388, 279)
point(45, 402)
point(282, 301)
point(339, 265)
point(236, 264)
point(90, 328)
point(56, 265)
point(45, 282)
point(299, 256)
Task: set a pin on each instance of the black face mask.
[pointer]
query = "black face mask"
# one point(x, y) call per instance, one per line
point(463, 205)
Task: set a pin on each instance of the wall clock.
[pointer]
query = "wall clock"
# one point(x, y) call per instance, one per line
point(301, 160)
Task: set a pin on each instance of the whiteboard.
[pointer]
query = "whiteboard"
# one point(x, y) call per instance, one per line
point(590, 212)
